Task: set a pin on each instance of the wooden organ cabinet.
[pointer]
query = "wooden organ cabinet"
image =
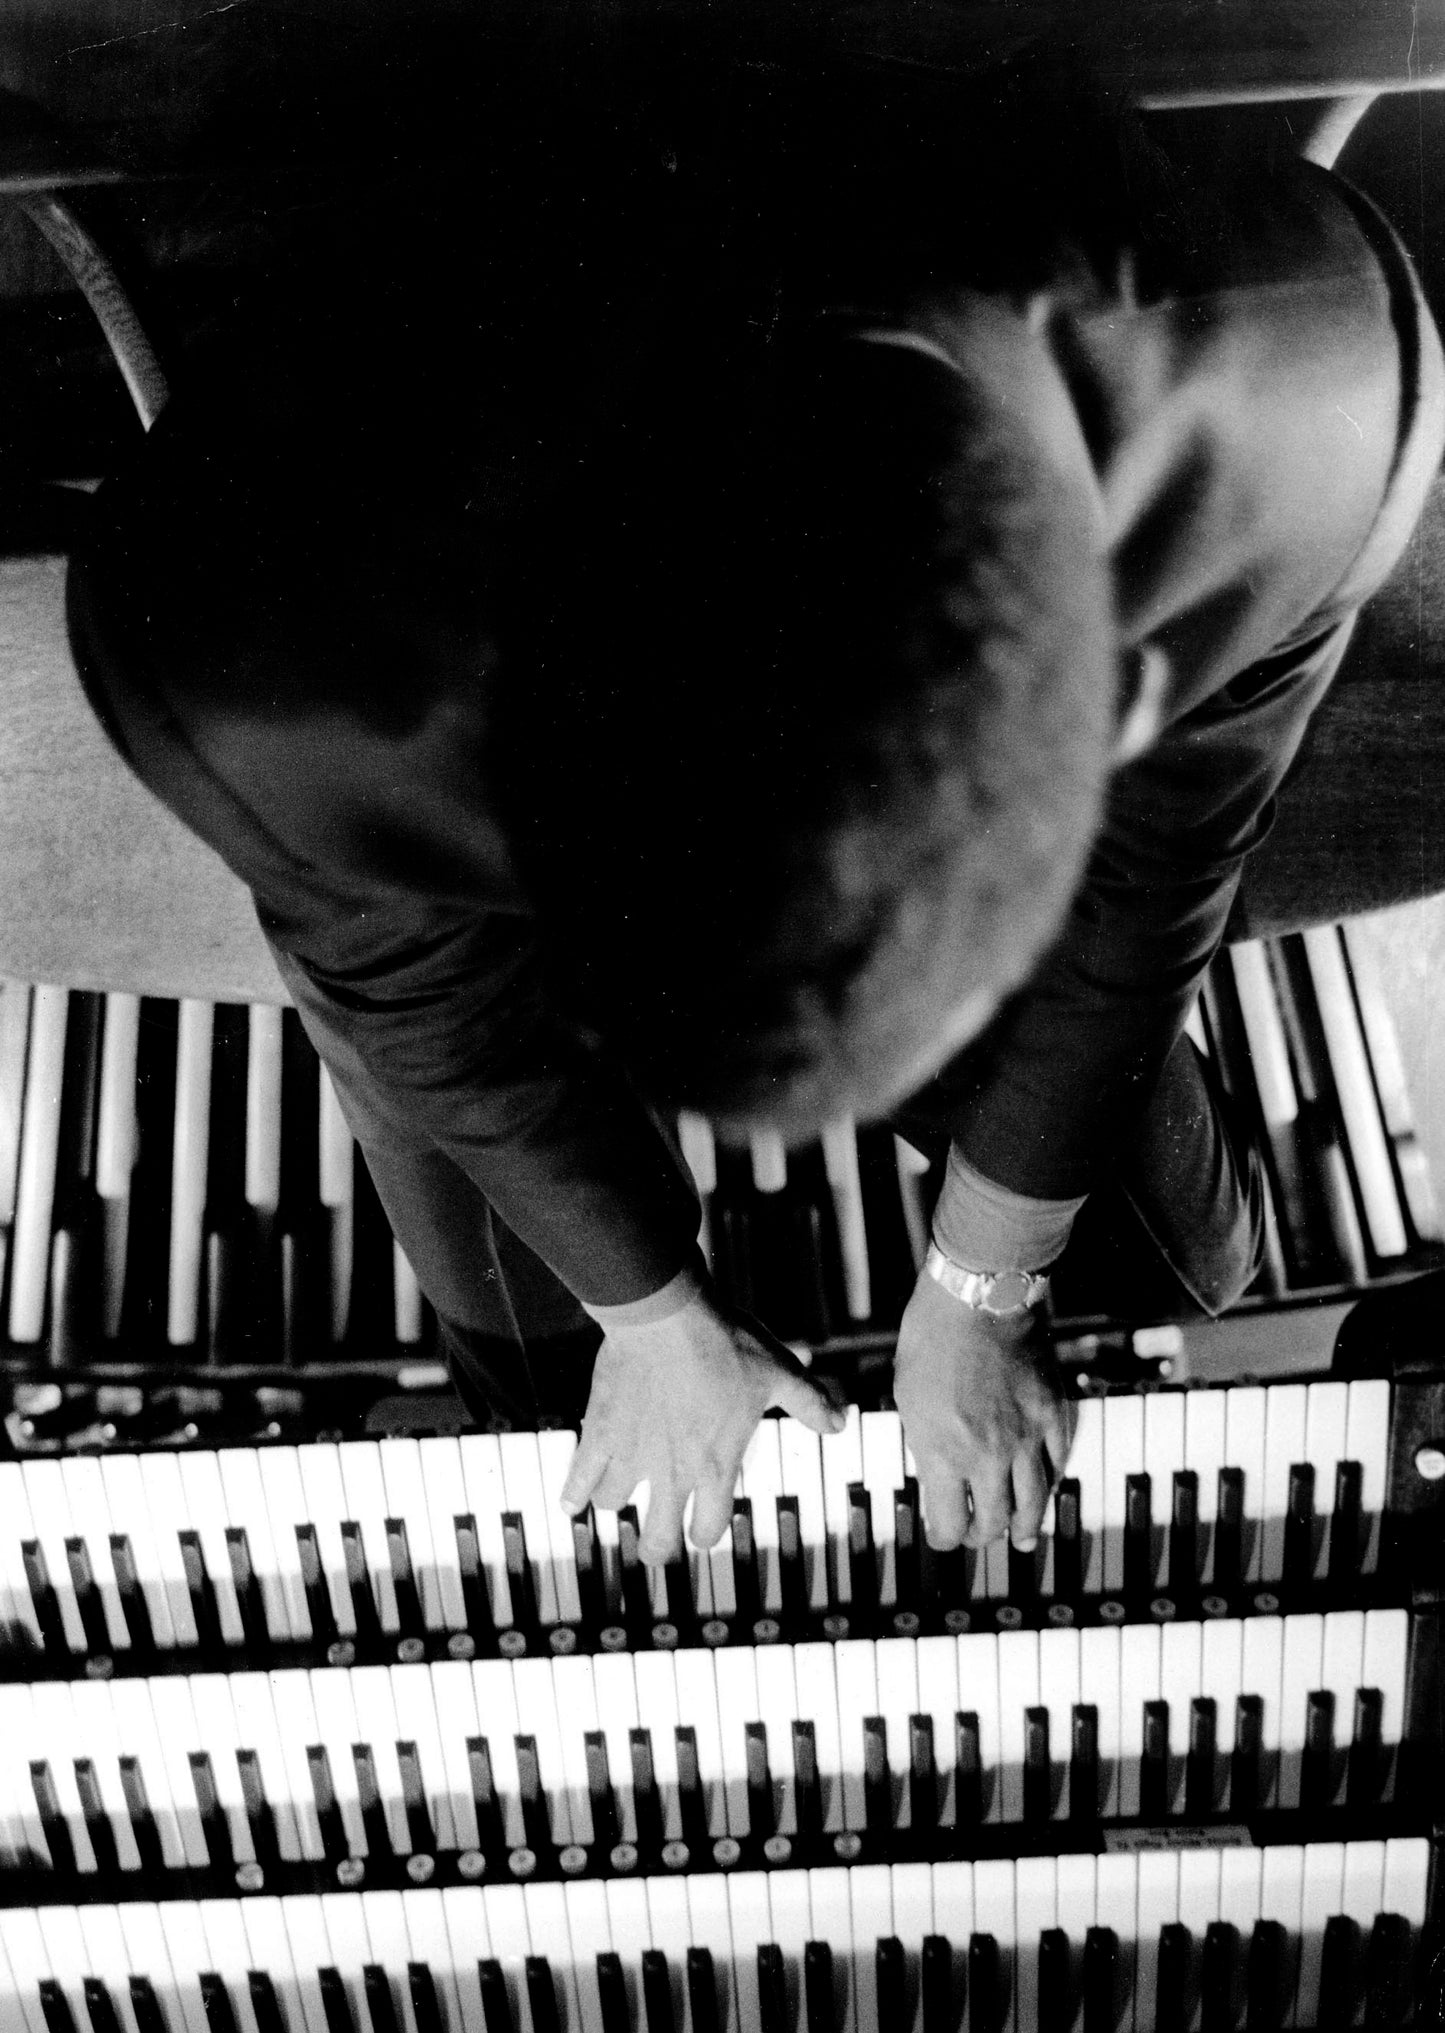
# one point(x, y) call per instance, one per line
point(317, 1715)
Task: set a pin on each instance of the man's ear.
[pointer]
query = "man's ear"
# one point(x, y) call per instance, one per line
point(1143, 684)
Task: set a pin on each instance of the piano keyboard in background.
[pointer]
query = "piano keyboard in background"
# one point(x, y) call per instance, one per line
point(1314, 1935)
point(1204, 1501)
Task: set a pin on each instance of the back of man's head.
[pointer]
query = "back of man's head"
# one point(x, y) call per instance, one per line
point(810, 710)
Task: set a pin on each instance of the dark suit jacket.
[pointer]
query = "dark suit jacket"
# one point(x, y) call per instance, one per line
point(306, 677)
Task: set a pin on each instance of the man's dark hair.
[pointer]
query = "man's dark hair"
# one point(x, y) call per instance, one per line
point(811, 693)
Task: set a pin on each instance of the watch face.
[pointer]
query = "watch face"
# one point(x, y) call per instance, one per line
point(1008, 1292)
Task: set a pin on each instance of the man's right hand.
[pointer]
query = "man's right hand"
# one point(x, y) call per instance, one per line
point(674, 1404)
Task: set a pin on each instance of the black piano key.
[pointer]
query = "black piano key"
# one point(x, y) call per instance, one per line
point(53, 1825)
point(1056, 1983)
point(542, 1995)
point(657, 2007)
point(677, 1593)
point(606, 1822)
point(747, 1582)
point(807, 1786)
point(1299, 1527)
point(877, 1779)
point(335, 2004)
point(232, 1325)
point(1199, 1763)
point(380, 2004)
point(1388, 1974)
point(922, 1774)
point(100, 2006)
point(55, 2008)
point(97, 1821)
point(1218, 1968)
point(328, 1808)
point(358, 1582)
point(862, 1558)
point(303, 1227)
point(259, 1816)
point(967, 1768)
point(701, 1991)
point(1171, 1979)
point(425, 2008)
point(413, 1797)
point(1023, 1572)
point(1138, 1537)
point(646, 1800)
point(146, 2007)
point(985, 1988)
point(1229, 1532)
point(1365, 1781)
point(133, 1604)
point(491, 1827)
point(773, 2014)
point(249, 1600)
point(948, 1579)
point(1246, 1759)
point(1184, 1534)
point(265, 2005)
point(410, 1621)
point(43, 1596)
point(313, 1581)
point(819, 2011)
point(142, 1820)
point(591, 1575)
point(1317, 1765)
point(1340, 1973)
point(373, 1808)
point(75, 1254)
point(792, 1564)
point(475, 1599)
point(1154, 1762)
point(1084, 1763)
point(762, 1819)
point(1101, 1966)
point(1068, 1542)
point(1037, 1777)
point(890, 1976)
point(691, 1799)
point(935, 1984)
point(1265, 2000)
point(733, 1251)
point(907, 1546)
point(536, 1825)
point(147, 1266)
point(1346, 1523)
point(636, 1589)
point(87, 1597)
point(204, 1606)
point(496, 2001)
point(215, 1828)
point(216, 2003)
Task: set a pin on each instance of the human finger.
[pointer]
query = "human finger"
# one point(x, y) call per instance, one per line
point(1030, 1495)
point(1058, 1432)
point(588, 1466)
point(945, 1510)
point(712, 1508)
point(989, 1488)
point(806, 1400)
point(661, 1537)
point(615, 1485)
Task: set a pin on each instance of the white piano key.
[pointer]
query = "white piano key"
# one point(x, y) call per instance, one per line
point(24, 1963)
point(23, 1740)
point(777, 1706)
point(522, 1479)
point(1164, 1421)
point(248, 1510)
point(768, 1156)
point(446, 1500)
point(697, 1707)
point(1139, 1655)
point(555, 1449)
point(671, 1932)
point(1287, 1408)
point(296, 1730)
point(464, 1908)
point(190, 1149)
point(35, 1180)
point(1355, 1090)
point(937, 1667)
point(496, 1704)
point(1205, 1451)
point(96, 1738)
point(870, 1891)
point(14, 1050)
point(840, 1162)
point(737, 1706)
point(537, 1710)
point(426, 1927)
point(416, 1723)
point(166, 1502)
point(386, 1930)
point(407, 1303)
point(1157, 1907)
point(857, 1677)
point(573, 1685)
point(751, 1919)
point(1086, 1464)
point(486, 1500)
point(54, 1738)
point(1116, 1905)
point(1035, 1910)
point(699, 1149)
point(1075, 1906)
point(1407, 1878)
point(1123, 1456)
point(130, 1517)
point(52, 1524)
point(842, 1455)
point(762, 1484)
point(589, 1935)
point(306, 1932)
point(1367, 1440)
point(630, 1925)
point(376, 1727)
point(830, 1897)
point(614, 1678)
point(1300, 1676)
point(228, 1953)
point(1321, 1888)
point(1099, 1689)
point(219, 1736)
point(994, 1913)
point(1239, 1889)
point(882, 1439)
point(149, 1957)
point(335, 1171)
point(896, 1665)
point(366, 1506)
point(401, 1473)
point(65, 1949)
point(1326, 1423)
point(337, 1731)
point(802, 1474)
point(1198, 1899)
point(816, 1680)
point(659, 1715)
point(348, 1947)
point(1059, 1693)
point(978, 1693)
point(90, 1521)
point(1244, 1439)
point(456, 1720)
point(710, 1927)
point(324, 1491)
point(1387, 1639)
point(263, 1109)
point(18, 1526)
point(1181, 1669)
point(1342, 1660)
point(115, 1144)
point(1221, 1680)
point(155, 1721)
point(1262, 1672)
point(912, 1895)
point(1018, 1691)
point(284, 1498)
point(185, 1938)
point(1281, 1896)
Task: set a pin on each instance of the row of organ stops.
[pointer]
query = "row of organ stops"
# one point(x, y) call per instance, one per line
point(1318, 1935)
point(179, 1177)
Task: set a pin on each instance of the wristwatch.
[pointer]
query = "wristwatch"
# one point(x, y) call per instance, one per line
point(1001, 1294)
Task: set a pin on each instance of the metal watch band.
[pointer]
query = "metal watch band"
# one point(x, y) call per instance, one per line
point(999, 1293)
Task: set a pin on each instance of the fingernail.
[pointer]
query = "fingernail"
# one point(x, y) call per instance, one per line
point(1025, 1545)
